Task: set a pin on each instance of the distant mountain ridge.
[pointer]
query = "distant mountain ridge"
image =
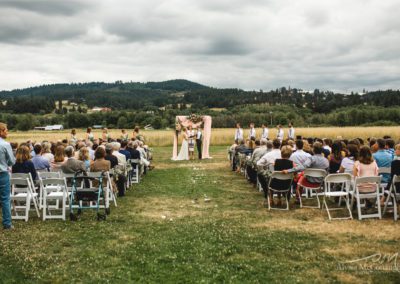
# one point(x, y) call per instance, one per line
point(178, 85)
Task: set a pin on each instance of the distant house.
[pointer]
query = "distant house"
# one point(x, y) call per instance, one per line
point(54, 127)
point(101, 109)
point(97, 127)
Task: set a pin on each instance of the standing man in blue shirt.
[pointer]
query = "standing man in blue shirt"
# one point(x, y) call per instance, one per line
point(7, 159)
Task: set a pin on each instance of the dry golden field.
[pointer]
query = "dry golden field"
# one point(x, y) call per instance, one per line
point(220, 136)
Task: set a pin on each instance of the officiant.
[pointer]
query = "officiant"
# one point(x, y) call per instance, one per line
point(199, 141)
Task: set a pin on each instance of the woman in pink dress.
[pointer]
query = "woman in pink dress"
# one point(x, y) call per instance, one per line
point(365, 167)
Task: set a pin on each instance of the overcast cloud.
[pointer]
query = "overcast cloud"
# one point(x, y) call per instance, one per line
point(333, 44)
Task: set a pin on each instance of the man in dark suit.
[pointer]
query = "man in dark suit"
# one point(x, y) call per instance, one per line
point(199, 141)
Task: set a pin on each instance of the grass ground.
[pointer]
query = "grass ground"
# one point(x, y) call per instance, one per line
point(159, 234)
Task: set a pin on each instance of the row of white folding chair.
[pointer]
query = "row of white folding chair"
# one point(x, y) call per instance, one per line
point(22, 195)
point(349, 187)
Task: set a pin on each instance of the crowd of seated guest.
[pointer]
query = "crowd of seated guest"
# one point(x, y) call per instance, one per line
point(357, 157)
point(89, 154)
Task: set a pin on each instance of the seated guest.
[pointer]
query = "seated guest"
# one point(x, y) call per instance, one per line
point(347, 163)
point(39, 161)
point(383, 159)
point(24, 163)
point(84, 157)
point(365, 167)
point(46, 151)
point(59, 158)
point(124, 151)
point(100, 164)
point(72, 165)
point(266, 162)
point(390, 147)
point(299, 157)
point(318, 161)
point(270, 157)
point(394, 170)
point(121, 157)
point(91, 148)
point(258, 152)
point(14, 147)
point(132, 148)
point(282, 164)
point(335, 158)
point(110, 157)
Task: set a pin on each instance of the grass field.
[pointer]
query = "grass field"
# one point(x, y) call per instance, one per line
point(219, 136)
point(158, 234)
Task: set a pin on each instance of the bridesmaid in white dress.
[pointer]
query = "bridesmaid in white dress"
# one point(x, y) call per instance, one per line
point(184, 152)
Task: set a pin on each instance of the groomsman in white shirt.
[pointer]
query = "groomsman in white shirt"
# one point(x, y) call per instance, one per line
point(252, 132)
point(280, 133)
point(238, 133)
point(291, 131)
point(264, 133)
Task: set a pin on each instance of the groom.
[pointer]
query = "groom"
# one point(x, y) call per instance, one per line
point(199, 141)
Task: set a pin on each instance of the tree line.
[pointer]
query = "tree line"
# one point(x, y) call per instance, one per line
point(157, 103)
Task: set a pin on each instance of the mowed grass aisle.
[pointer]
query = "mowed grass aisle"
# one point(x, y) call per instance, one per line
point(159, 233)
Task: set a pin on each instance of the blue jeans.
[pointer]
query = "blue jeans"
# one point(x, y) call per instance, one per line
point(5, 198)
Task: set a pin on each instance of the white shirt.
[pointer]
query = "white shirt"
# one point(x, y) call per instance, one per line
point(252, 133)
point(280, 134)
point(239, 134)
point(299, 157)
point(348, 165)
point(269, 158)
point(264, 133)
point(199, 134)
point(121, 158)
point(291, 133)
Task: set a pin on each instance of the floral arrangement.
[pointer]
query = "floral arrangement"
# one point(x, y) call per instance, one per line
point(195, 118)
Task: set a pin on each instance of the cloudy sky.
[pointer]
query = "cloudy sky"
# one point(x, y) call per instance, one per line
point(250, 44)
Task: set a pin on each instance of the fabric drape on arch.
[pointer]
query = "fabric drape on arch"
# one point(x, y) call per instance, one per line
point(207, 120)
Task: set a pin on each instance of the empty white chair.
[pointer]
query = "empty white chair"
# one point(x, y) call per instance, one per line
point(54, 189)
point(373, 184)
point(393, 197)
point(280, 177)
point(317, 188)
point(22, 195)
point(45, 175)
point(343, 182)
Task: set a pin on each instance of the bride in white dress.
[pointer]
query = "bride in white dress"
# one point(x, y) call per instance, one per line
point(184, 152)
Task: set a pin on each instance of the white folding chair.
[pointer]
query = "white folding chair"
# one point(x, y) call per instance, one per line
point(22, 196)
point(381, 171)
point(42, 176)
point(34, 194)
point(135, 173)
point(343, 181)
point(392, 196)
point(374, 182)
point(277, 175)
point(54, 189)
point(317, 188)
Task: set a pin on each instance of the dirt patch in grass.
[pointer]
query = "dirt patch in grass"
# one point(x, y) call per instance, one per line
point(376, 229)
